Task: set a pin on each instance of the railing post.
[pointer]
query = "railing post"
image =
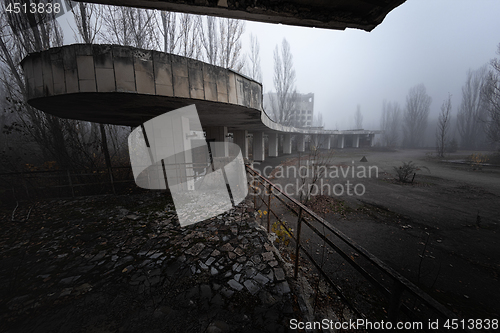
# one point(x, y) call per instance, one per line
point(254, 192)
point(269, 191)
point(110, 171)
point(70, 183)
point(297, 246)
point(396, 298)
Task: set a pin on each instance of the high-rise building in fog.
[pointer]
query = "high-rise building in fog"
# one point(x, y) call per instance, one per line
point(302, 115)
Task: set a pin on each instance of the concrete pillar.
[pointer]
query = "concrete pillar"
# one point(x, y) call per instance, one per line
point(355, 141)
point(372, 139)
point(301, 143)
point(287, 144)
point(340, 141)
point(218, 134)
point(314, 141)
point(273, 144)
point(240, 138)
point(326, 141)
point(258, 146)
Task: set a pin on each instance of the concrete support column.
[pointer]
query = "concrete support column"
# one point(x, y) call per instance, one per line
point(355, 141)
point(240, 138)
point(301, 143)
point(258, 146)
point(314, 141)
point(218, 134)
point(372, 138)
point(340, 141)
point(326, 142)
point(273, 144)
point(287, 144)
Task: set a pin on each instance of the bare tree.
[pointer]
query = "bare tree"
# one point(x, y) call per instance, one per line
point(493, 98)
point(283, 103)
point(358, 118)
point(415, 116)
point(88, 21)
point(210, 40)
point(472, 113)
point(23, 34)
point(231, 31)
point(390, 123)
point(189, 43)
point(444, 122)
point(318, 120)
point(169, 31)
point(254, 70)
point(130, 27)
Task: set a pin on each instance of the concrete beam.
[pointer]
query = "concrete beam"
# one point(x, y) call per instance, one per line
point(273, 144)
point(258, 146)
point(240, 138)
point(301, 143)
point(287, 144)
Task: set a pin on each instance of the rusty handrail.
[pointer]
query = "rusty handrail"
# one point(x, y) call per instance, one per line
point(400, 283)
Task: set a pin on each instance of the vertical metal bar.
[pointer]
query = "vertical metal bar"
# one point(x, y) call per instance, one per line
point(111, 179)
point(297, 246)
point(70, 183)
point(269, 192)
point(396, 298)
point(254, 192)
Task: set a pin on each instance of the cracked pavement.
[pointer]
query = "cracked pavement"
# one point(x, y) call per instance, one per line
point(123, 264)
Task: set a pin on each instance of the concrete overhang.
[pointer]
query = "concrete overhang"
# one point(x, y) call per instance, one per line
point(327, 14)
point(124, 85)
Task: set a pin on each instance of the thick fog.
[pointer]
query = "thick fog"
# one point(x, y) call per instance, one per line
point(422, 41)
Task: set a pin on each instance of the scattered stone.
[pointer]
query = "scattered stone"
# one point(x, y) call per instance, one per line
point(252, 287)
point(228, 292)
point(282, 288)
point(235, 285)
point(279, 274)
point(261, 279)
point(268, 256)
point(70, 279)
point(227, 247)
point(196, 249)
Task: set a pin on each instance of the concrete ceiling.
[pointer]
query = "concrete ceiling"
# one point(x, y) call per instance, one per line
point(328, 14)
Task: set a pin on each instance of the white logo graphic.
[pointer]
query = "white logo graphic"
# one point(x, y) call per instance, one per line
point(204, 178)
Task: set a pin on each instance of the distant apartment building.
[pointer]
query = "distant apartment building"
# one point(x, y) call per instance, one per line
point(302, 115)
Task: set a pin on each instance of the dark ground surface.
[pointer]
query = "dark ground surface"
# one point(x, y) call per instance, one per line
point(429, 231)
point(123, 264)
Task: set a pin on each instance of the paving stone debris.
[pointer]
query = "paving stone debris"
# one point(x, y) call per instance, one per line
point(123, 264)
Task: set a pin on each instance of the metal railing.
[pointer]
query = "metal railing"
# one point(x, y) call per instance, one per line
point(396, 288)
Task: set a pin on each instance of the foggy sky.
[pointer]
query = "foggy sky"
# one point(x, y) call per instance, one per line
point(433, 42)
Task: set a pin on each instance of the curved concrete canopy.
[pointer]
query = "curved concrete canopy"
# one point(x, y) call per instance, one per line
point(128, 86)
point(328, 14)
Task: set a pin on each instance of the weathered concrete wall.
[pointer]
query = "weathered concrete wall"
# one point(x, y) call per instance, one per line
point(84, 68)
